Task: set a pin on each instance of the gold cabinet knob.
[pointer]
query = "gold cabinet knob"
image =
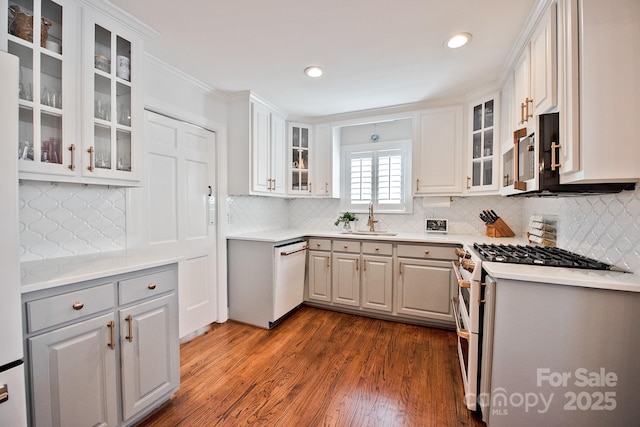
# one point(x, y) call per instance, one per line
point(77, 305)
point(426, 251)
point(151, 286)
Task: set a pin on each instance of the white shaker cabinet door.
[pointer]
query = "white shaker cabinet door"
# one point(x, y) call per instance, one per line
point(346, 279)
point(73, 374)
point(320, 276)
point(150, 357)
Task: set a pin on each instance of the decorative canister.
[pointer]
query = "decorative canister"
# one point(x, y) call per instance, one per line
point(122, 67)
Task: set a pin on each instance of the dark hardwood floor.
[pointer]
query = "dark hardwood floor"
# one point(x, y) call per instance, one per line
point(319, 368)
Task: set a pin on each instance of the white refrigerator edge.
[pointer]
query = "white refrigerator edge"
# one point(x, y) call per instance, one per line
point(13, 410)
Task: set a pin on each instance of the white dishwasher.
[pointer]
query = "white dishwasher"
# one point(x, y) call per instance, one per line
point(288, 277)
point(266, 280)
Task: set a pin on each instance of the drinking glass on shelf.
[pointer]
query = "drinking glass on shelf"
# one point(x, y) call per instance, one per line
point(25, 92)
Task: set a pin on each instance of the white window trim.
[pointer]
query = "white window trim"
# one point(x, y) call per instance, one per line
point(345, 177)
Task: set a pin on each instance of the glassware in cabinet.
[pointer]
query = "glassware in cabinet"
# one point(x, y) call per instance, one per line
point(299, 160)
point(482, 146)
point(110, 153)
point(43, 121)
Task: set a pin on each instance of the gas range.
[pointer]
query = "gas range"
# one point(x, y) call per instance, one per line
point(539, 255)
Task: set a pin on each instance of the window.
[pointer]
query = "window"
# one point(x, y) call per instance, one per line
point(379, 173)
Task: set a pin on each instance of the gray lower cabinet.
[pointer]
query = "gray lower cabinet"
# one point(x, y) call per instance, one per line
point(395, 280)
point(103, 352)
point(425, 288)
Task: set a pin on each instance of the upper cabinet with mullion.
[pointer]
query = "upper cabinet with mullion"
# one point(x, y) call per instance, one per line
point(47, 87)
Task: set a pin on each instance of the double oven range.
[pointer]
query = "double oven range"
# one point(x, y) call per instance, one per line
point(473, 306)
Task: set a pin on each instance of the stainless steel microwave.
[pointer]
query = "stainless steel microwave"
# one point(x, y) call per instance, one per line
point(530, 167)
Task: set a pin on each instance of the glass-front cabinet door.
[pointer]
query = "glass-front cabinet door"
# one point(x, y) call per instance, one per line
point(483, 165)
point(111, 67)
point(39, 33)
point(299, 178)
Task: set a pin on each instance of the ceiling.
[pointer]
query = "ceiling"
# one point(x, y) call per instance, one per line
point(375, 53)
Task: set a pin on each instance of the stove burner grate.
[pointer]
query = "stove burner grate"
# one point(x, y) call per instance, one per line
point(538, 255)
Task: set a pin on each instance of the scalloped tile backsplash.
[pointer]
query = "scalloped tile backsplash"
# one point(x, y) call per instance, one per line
point(67, 219)
point(58, 220)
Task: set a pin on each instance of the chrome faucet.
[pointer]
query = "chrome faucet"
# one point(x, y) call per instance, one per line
point(372, 222)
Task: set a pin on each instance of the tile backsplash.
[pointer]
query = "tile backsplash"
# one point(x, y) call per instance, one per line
point(58, 220)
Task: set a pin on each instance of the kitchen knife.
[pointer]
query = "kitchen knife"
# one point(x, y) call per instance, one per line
point(489, 216)
point(484, 217)
point(495, 215)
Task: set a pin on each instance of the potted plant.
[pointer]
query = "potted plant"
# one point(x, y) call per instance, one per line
point(346, 218)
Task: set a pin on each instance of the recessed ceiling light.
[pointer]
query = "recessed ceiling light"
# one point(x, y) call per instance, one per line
point(313, 71)
point(458, 40)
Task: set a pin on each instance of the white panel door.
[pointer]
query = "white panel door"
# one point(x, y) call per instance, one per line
point(346, 279)
point(181, 191)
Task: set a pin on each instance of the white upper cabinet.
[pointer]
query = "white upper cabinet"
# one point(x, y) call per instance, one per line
point(535, 74)
point(112, 107)
point(599, 87)
point(47, 88)
point(256, 149)
point(322, 175)
point(301, 156)
point(484, 145)
point(80, 99)
point(437, 156)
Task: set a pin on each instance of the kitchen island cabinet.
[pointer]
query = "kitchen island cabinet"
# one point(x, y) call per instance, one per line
point(81, 337)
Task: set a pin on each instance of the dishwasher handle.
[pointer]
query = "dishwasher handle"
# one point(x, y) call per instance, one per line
point(285, 253)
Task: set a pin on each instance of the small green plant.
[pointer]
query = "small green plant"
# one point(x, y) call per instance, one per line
point(346, 218)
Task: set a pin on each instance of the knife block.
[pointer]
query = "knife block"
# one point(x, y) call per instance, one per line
point(499, 229)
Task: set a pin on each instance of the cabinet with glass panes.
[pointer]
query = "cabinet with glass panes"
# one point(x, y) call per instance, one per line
point(112, 146)
point(38, 34)
point(299, 167)
point(483, 167)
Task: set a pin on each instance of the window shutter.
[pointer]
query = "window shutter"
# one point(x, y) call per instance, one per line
point(361, 178)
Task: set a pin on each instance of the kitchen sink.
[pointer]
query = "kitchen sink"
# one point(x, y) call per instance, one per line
point(370, 233)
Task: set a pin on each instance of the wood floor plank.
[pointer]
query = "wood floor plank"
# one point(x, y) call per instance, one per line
point(319, 368)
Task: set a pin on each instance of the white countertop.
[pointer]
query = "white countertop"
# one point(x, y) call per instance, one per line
point(557, 275)
point(43, 274)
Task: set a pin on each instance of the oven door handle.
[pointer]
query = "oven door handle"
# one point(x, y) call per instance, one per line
point(461, 282)
point(462, 333)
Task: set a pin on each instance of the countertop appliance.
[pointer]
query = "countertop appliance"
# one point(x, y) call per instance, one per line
point(539, 255)
point(13, 408)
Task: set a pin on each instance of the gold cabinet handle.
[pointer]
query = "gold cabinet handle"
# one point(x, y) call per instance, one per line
point(151, 286)
point(4, 393)
point(529, 113)
point(468, 182)
point(377, 249)
point(129, 320)
point(309, 187)
point(418, 184)
point(522, 112)
point(72, 148)
point(269, 184)
point(273, 182)
point(357, 264)
point(328, 265)
point(91, 151)
point(400, 267)
point(364, 265)
point(77, 305)
point(426, 251)
point(318, 244)
point(326, 188)
point(346, 246)
point(112, 326)
point(554, 158)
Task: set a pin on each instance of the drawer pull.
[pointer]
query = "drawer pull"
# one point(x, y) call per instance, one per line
point(4, 393)
point(129, 320)
point(112, 326)
point(318, 244)
point(151, 286)
point(426, 251)
point(77, 305)
point(346, 246)
point(377, 249)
